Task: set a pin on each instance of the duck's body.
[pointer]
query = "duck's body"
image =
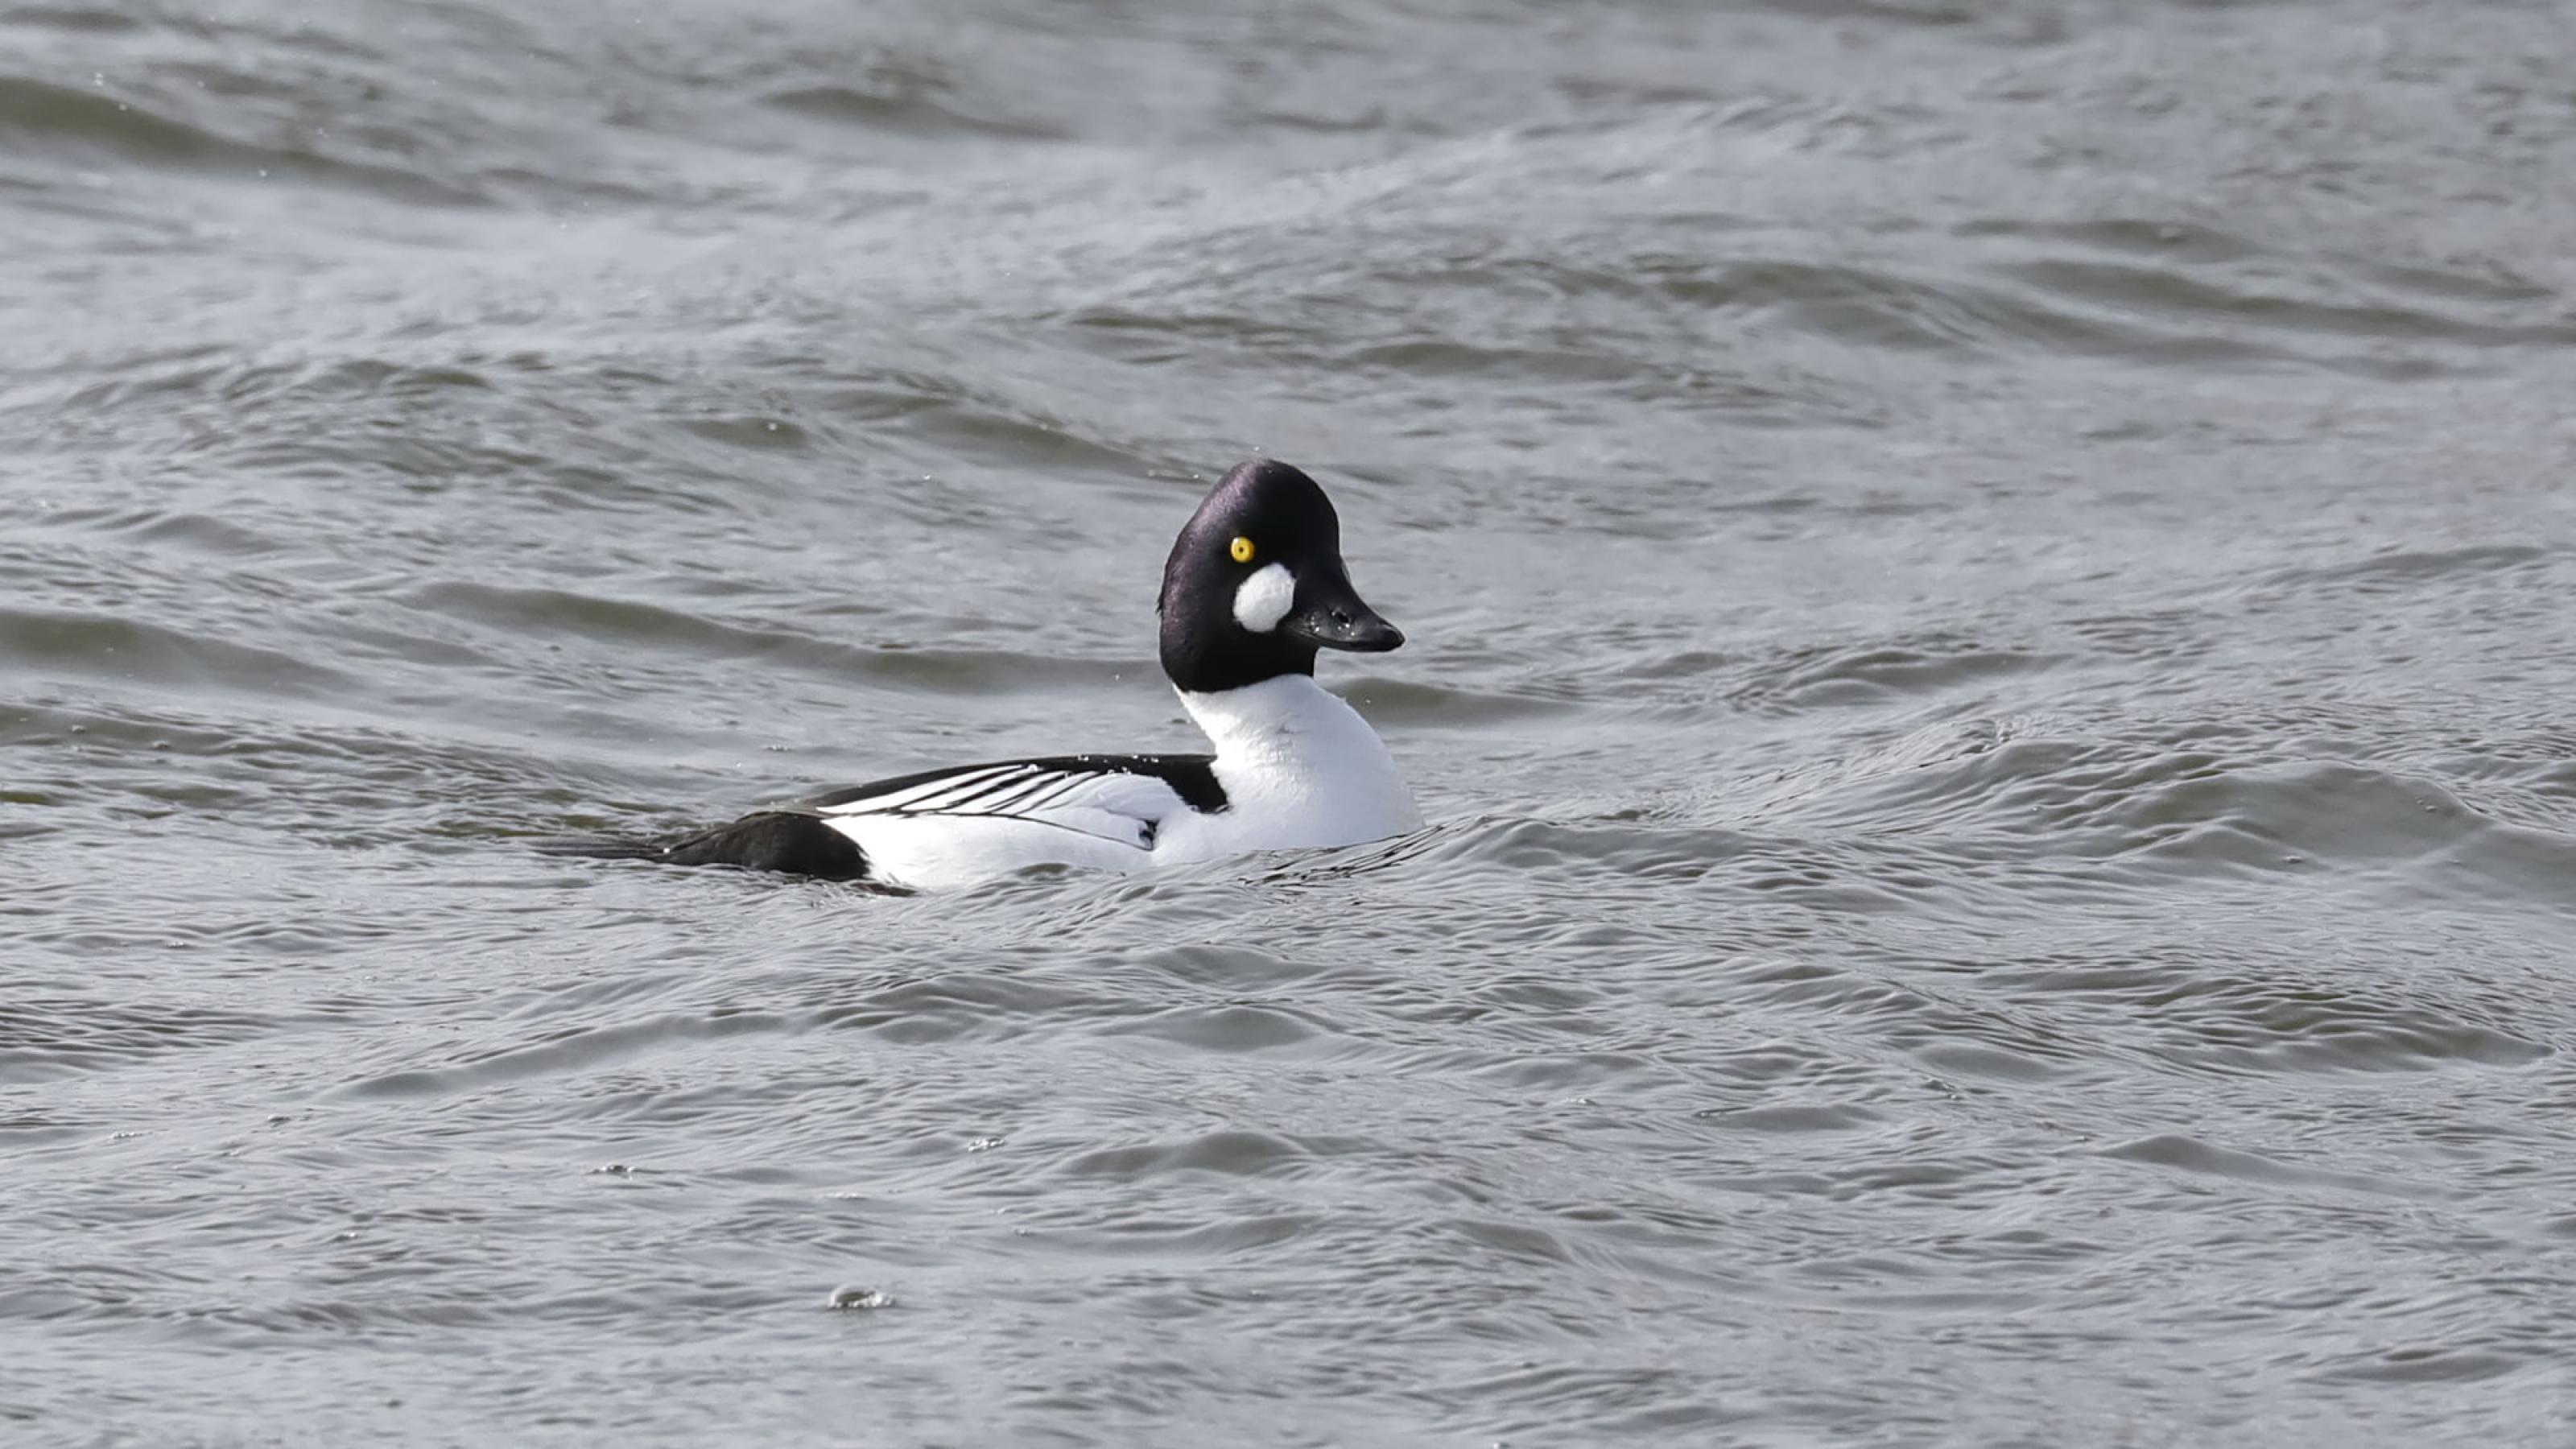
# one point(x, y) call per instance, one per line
point(1253, 587)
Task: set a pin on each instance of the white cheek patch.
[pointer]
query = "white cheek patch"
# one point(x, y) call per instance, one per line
point(1263, 599)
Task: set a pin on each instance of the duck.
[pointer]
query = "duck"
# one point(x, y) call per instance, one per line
point(1253, 590)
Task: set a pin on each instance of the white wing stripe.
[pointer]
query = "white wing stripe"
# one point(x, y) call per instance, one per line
point(1123, 807)
point(1064, 785)
point(1023, 798)
point(928, 793)
point(982, 796)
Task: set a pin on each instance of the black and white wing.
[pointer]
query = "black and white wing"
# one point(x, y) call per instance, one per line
point(1123, 799)
point(947, 827)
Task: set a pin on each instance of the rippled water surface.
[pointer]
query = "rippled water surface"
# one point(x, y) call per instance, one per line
point(1993, 592)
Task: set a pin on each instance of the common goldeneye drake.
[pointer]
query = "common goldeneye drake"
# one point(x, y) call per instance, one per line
point(1254, 586)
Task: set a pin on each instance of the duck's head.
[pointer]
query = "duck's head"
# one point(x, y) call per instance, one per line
point(1255, 585)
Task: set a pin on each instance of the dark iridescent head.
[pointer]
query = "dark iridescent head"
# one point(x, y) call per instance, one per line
point(1255, 585)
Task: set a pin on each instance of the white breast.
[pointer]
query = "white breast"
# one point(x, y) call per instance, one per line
point(1301, 771)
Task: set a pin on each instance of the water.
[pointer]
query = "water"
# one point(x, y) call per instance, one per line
point(1992, 652)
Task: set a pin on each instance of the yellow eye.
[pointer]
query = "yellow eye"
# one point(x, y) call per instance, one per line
point(1241, 549)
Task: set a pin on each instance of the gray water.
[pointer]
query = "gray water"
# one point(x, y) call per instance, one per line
point(1991, 595)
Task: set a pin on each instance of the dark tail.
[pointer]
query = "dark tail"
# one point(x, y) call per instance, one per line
point(772, 840)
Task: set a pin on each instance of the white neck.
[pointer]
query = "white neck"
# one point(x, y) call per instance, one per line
point(1282, 720)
